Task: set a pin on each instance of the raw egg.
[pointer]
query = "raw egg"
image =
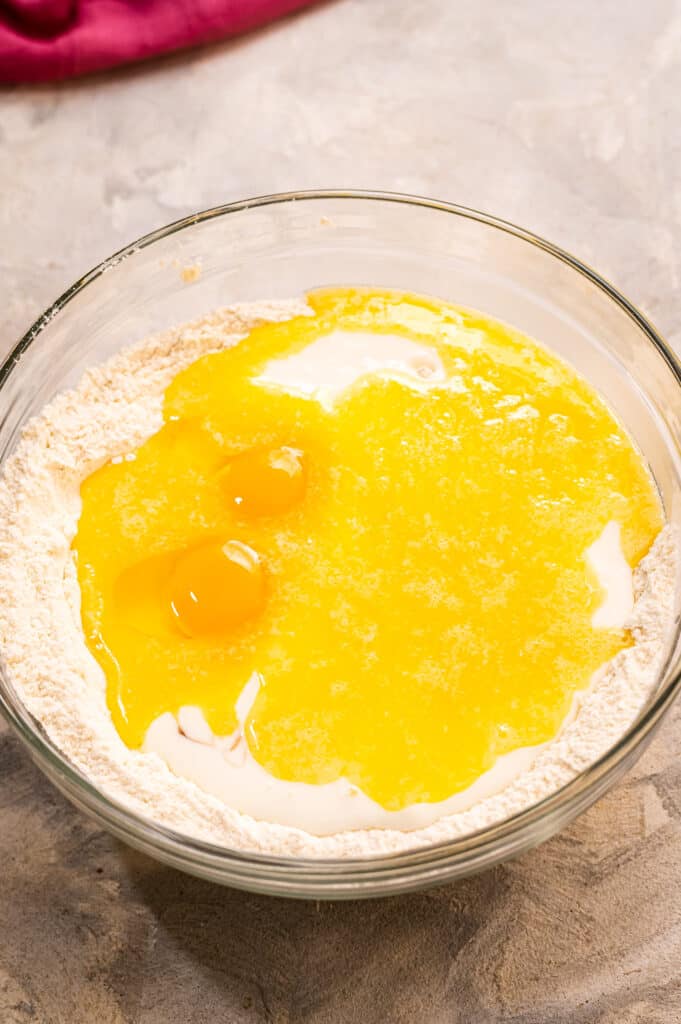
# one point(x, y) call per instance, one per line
point(215, 587)
point(265, 481)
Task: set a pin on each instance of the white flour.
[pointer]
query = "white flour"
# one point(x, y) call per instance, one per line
point(115, 408)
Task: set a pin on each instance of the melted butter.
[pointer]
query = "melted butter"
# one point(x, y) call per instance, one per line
point(423, 601)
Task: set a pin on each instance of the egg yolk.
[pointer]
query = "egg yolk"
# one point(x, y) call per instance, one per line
point(265, 481)
point(216, 586)
point(403, 567)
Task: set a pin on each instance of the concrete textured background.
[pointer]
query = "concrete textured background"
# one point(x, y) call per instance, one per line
point(562, 117)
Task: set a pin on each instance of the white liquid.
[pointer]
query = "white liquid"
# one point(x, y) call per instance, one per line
point(614, 574)
point(332, 363)
point(224, 765)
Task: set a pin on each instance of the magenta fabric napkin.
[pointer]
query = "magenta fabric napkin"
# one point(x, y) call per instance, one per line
point(43, 40)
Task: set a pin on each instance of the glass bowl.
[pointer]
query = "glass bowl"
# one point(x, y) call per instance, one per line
point(278, 247)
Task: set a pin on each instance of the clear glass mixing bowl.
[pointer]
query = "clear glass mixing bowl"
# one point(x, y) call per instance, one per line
point(278, 247)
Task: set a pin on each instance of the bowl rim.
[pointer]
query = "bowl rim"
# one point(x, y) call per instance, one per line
point(317, 875)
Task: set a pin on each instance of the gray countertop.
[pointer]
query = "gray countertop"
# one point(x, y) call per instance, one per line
point(562, 117)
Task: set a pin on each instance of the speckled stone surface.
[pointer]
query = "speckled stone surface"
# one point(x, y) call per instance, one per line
point(562, 117)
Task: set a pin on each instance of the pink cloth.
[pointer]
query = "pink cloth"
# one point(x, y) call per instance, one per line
point(41, 40)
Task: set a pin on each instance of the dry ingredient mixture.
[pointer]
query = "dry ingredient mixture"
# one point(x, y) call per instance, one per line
point(115, 409)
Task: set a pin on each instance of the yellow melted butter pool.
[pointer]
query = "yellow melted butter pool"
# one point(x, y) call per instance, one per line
point(410, 582)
